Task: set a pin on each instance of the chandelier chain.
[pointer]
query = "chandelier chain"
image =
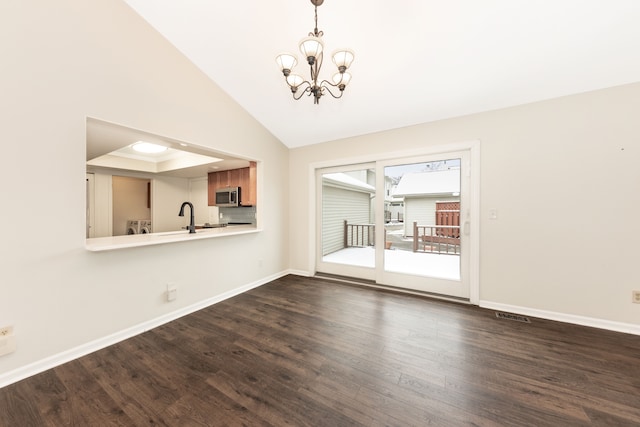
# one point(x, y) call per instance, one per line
point(315, 32)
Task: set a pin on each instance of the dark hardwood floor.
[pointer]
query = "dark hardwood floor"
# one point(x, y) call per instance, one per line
point(311, 352)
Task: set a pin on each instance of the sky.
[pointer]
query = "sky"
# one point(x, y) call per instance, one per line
point(398, 171)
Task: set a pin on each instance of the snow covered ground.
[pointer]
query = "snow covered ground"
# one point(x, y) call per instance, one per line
point(399, 261)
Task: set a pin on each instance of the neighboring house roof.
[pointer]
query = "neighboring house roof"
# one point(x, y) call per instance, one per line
point(345, 181)
point(428, 183)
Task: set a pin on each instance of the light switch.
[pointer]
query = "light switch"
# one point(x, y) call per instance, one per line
point(493, 213)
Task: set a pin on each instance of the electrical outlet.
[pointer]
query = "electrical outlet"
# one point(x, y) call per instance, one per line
point(6, 331)
point(635, 297)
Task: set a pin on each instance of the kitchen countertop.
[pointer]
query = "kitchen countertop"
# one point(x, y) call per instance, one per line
point(98, 244)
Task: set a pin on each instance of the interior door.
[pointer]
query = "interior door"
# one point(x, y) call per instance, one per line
point(425, 217)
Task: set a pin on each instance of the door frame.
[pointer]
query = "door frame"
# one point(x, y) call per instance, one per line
point(472, 146)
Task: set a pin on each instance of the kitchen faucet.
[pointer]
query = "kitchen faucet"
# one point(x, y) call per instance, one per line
point(192, 225)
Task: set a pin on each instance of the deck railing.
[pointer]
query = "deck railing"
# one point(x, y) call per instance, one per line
point(359, 235)
point(388, 216)
point(442, 239)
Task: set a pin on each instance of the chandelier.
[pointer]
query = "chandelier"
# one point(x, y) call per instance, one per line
point(312, 49)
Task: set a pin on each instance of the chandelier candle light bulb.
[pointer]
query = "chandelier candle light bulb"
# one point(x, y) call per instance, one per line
point(312, 48)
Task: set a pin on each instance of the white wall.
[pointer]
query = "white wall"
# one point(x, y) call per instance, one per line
point(71, 59)
point(562, 153)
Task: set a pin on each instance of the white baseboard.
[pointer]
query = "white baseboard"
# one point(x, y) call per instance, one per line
point(300, 273)
point(84, 349)
point(628, 328)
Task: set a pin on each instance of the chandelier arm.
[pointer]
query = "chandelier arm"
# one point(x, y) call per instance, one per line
point(327, 85)
point(327, 82)
point(302, 92)
point(326, 88)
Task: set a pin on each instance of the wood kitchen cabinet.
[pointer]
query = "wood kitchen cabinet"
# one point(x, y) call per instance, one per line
point(223, 179)
point(248, 183)
point(245, 178)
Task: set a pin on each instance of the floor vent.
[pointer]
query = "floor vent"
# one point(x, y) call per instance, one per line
point(510, 316)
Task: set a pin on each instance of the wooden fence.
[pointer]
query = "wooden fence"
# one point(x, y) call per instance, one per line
point(448, 213)
point(436, 238)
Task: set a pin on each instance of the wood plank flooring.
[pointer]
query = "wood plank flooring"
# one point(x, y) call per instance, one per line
point(313, 352)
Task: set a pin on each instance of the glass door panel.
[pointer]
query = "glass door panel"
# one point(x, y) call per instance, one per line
point(346, 215)
point(423, 210)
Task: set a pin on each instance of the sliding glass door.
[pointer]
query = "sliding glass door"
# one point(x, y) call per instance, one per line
point(402, 223)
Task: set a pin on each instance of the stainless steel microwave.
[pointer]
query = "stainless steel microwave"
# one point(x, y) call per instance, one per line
point(228, 197)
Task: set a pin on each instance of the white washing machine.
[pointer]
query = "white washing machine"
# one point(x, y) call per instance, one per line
point(139, 226)
point(133, 226)
point(145, 226)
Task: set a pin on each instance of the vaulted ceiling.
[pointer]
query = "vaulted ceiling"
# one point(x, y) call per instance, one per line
point(416, 61)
